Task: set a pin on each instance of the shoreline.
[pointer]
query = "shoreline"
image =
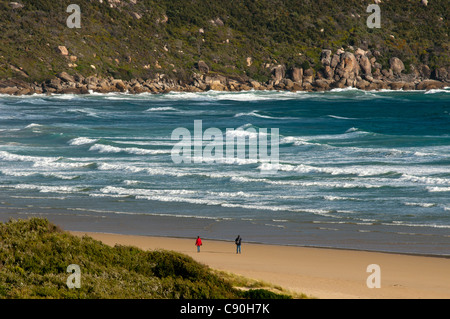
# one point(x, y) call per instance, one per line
point(129, 94)
point(394, 241)
point(22, 89)
point(446, 86)
point(325, 273)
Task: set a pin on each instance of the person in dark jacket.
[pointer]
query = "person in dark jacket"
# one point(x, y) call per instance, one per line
point(198, 243)
point(238, 242)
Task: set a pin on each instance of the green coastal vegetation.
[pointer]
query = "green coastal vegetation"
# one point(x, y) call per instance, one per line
point(128, 39)
point(35, 254)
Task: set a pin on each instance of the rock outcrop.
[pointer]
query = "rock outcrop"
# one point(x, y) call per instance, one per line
point(429, 85)
point(297, 75)
point(441, 74)
point(397, 65)
point(203, 67)
point(16, 5)
point(63, 50)
point(278, 73)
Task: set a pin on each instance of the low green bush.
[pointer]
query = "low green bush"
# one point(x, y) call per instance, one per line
point(35, 254)
point(263, 294)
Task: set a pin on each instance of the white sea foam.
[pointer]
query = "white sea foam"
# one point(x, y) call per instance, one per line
point(140, 151)
point(188, 196)
point(49, 189)
point(188, 216)
point(33, 125)
point(341, 117)
point(131, 182)
point(168, 171)
point(425, 205)
point(351, 133)
point(82, 141)
point(105, 148)
point(36, 197)
point(65, 96)
point(108, 195)
point(172, 192)
point(43, 162)
point(143, 169)
point(171, 198)
point(60, 176)
point(256, 114)
point(239, 194)
point(120, 167)
point(145, 192)
point(330, 184)
point(241, 179)
point(315, 211)
point(101, 148)
point(226, 160)
point(61, 165)
point(396, 223)
point(9, 129)
point(426, 179)
point(434, 91)
point(258, 207)
point(335, 198)
point(16, 173)
point(422, 154)
point(245, 132)
point(438, 189)
point(352, 129)
point(371, 170)
point(298, 141)
point(25, 158)
point(162, 108)
point(146, 143)
point(352, 170)
point(253, 113)
point(244, 96)
point(347, 89)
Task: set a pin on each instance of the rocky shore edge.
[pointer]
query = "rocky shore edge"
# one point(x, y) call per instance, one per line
point(342, 69)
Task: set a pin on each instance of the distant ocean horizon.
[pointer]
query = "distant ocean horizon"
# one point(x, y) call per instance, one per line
point(358, 169)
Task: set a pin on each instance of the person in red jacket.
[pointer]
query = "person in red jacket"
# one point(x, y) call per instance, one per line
point(198, 243)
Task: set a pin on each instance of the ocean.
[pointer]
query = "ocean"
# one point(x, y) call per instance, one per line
point(357, 170)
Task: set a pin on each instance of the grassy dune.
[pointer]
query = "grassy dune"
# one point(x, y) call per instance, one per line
point(35, 254)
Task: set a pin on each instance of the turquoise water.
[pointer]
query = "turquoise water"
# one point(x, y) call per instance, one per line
point(359, 170)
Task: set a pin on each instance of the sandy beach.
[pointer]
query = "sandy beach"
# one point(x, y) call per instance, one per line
point(317, 272)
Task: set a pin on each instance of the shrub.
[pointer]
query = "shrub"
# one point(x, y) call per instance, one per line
point(263, 294)
point(35, 254)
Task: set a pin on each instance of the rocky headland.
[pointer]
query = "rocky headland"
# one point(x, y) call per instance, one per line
point(341, 69)
point(149, 46)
